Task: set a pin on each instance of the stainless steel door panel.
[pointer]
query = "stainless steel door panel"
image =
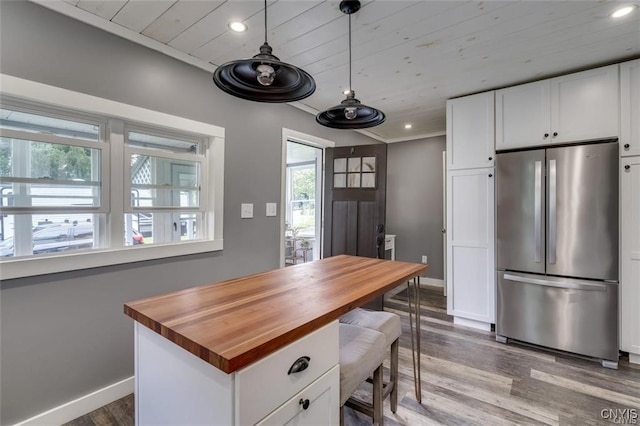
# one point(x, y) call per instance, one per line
point(520, 204)
point(566, 314)
point(582, 219)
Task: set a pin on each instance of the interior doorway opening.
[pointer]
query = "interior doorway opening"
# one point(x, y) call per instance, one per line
point(303, 203)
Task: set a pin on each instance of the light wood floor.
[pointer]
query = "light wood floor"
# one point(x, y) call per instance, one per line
point(468, 378)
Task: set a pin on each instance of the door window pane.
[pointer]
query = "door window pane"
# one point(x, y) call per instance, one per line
point(361, 172)
point(339, 165)
point(354, 164)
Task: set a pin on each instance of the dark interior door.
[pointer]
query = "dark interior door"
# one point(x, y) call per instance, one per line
point(355, 202)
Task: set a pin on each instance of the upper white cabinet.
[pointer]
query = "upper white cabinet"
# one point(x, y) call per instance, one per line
point(470, 132)
point(630, 258)
point(522, 115)
point(570, 108)
point(630, 108)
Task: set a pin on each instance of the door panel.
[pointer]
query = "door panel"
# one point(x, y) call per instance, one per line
point(520, 210)
point(355, 202)
point(582, 214)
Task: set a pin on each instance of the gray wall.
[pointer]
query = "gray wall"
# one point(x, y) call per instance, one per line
point(64, 335)
point(414, 201)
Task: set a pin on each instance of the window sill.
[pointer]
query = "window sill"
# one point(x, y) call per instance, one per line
point(32, 266)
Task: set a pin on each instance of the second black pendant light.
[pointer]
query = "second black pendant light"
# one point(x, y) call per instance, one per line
point(351, 113)
point(264, 78)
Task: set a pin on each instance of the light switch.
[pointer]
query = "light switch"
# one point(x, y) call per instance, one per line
point(246, 211)
point(272, 209)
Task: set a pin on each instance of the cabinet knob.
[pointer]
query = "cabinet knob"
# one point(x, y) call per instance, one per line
point(627, 167)
point(305, 403)
point(546, 135)
point(301, 364)
point(555, 134)
point(626, 146)
point(490, 158)
point(490, 175)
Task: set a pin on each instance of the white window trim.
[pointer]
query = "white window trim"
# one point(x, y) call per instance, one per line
point(27, 90)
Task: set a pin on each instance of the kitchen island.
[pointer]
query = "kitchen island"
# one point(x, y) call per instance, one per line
point(260, 348)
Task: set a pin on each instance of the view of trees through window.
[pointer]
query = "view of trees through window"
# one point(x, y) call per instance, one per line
point(304, 195)
point(55, 161)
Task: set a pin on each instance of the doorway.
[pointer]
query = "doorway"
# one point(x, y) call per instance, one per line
point(302, 197)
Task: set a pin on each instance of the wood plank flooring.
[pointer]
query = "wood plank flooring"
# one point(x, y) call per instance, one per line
point(470, 379)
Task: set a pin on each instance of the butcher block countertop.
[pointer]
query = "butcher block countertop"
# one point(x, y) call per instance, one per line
point(233, 323)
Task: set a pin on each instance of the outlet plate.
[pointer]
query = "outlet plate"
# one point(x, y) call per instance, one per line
point(424, 259)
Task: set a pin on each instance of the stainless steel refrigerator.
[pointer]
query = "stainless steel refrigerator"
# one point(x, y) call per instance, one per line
point(557, 248)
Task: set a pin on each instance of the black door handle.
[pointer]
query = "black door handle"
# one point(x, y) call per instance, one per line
point(305, 403)
point(299, 365)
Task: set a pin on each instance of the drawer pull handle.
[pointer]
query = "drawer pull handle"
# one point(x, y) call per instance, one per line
point(301, 364)
point(305, 403)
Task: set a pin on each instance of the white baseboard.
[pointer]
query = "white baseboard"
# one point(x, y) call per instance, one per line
point(433, 282)
point(472, 323)
point(421, 280)
point(83, 405)
point(634, 359)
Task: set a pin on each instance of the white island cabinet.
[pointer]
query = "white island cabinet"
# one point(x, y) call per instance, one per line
point(256, 350)
point(175, 387)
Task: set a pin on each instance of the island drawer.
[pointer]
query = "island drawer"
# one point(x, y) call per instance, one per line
point(266, 384)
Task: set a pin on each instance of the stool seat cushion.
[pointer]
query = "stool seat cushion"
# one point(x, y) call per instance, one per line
point(362, 350)
point(386, 323)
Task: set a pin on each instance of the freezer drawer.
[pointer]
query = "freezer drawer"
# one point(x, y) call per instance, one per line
point(571, 315)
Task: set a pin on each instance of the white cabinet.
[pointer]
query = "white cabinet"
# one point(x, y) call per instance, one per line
point(471, 247)
point(522, 115)
point(317, 404)
point(470, 132)
point(173, 386)
point(574, 107)
point(630, 258)
point(630, 108)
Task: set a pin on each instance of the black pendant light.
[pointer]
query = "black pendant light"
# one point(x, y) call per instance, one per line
point(351, 113)
point(264, 78)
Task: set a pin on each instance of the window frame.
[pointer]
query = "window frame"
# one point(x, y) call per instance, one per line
point(118, 117)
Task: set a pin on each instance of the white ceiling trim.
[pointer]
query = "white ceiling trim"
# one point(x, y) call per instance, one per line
point(87, 17)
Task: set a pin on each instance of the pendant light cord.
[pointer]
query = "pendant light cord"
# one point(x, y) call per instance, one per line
point(265, 21)
point(350, 89)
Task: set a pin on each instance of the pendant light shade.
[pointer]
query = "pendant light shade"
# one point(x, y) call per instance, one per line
point(264, 78)
point(350, 113)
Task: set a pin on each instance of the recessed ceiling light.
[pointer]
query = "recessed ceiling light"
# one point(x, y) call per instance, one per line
point(238, 27)
point(623, 11)
point(408, 126)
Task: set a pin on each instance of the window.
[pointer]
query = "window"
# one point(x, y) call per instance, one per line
point(98, 182)
point(164, 179)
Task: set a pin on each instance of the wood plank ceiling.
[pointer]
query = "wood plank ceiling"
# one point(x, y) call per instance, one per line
point(409, 57)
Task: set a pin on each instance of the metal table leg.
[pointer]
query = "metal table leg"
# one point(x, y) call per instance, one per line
point(414, 312)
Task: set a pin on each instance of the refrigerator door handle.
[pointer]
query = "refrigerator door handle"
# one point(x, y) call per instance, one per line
point(537, 220)
point(567, 285)
point(552, 211)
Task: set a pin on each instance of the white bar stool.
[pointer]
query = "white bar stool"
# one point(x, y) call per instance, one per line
point(362, 352)
point(388, 324)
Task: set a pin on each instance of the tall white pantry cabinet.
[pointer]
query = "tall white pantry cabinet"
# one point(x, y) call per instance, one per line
point(471, 210)
point(630, 209)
